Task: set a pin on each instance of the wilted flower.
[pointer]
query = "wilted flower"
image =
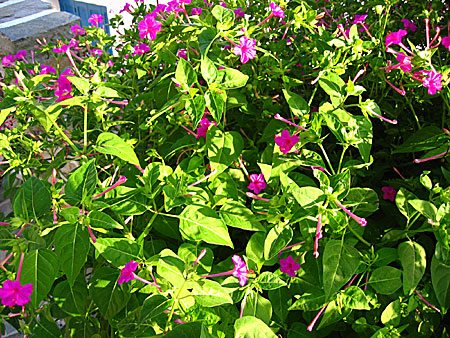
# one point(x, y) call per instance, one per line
point(127, 273)
point(196, 11)
point(181, 53)
point(141, 48)
point(239, 12)
point(359, 19)
point(77, 30)
point(47, 70)
point(8, 61)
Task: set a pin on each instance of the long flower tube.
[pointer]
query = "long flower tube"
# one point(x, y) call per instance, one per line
point(121, 180)
point(359, 220)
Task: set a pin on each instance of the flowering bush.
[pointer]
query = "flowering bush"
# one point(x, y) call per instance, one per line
point(239, 169)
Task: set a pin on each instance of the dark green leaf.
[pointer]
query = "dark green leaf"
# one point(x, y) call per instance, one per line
point(426, 208)
point(386, 280)
point(72, 299)
point(185, 74)
point(32, 199)
point(232, 79)
point(392, 314)
point(98, 219)
point(440, 277)
point(189, 330)
point(81, 183)
point(413, 259)
point(269, 281)
point(298, 104)
point(215, 102)
point(153, 307)
point(258, 306)
point(223, 148)
point(235, 214)
point(277, 239)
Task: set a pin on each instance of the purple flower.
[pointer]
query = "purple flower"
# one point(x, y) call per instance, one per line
point(47, 70)
point(140, 49)
point(389, 193)
point(95, 19)
point(209, 4)
point(409, 25)
point(223, 4)
point(246, 49)
point(8, 61)
point(433, 82)
point(64, 89)
point(289, 266)
point(446, 42)
point(240, 270)
point(395, 38)
point(78, 30)
point(285, 141)
point(181, 53)
point(149, 27)
point(405, 62)
point(20, 54)
point(257, 183)
point(239, 12)
point(13, 293)
point(359, 19)
point(126, 8)
point(97, 52)
point(196, 11)
point(276, 10)
point(127, 273)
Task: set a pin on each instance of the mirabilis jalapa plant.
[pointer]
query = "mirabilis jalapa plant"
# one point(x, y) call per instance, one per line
point(234, 169)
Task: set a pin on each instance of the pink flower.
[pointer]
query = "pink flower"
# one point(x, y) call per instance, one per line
point(276, 10)
point(127, 273)
point(239, 12)
point(95, 19)
point(204, 125)
point(209, 4)
point(140, 49)
point(246, 49)
point(149, 27)
point(405, 62)
point(126, 8)
point(20, 54)
point(181, 53)
point(64, 48)
point(289, 266)
point(257, 183)
point(47, 70)
point(77, 30)
point(395, 38)
point(240, 269)
point(196, 11)
point(13, 293)
point(446, 42)
point(8, 61)
point(110, 63)
point(389, 193)
point(285, 141)
point(433, 82)
point(97, 52)
point(409, 25)
point(359, 19)
point(64, 89)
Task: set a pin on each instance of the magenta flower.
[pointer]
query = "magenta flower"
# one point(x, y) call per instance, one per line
point(409, 25)
point(359, 19)
point(64, 48)
point(257, 183)
point(64, 89)
point(405, 62)
point(149, 27)
point(8, 61)
point(289, 266)
point(121, 180)
point(276, 10)
point(204, 125)
point(433, 82)
point(181, 53)
point(97, 52)
point(240, 270)
point(47, 70)
point(395, 38)
point(359, 220)
point(389, 193)
point(126, 8)
point(95, 19)
point(127, 273)
point(285, 141)
point(446, 42)
point(196, 11)
point(13, 293)
point(20, 55)
point(140, 49)
point(78, 30)
point(239, 12)
point(246, 49)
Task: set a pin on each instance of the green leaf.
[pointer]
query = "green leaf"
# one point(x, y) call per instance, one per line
point(252, 327)
point(153, 307)
point(206, 38)
point(215, 102)
point(269, 281)
point(81, 83)
point(185, 74)
point(46, 328)
point(201, 223)
point(72, 299)
point(355, 298)
point(39, 268)
point(307, 197)
point(171, 267)
point(98, 219)
point(117, 251)
point(4, 113)
point(258, 306)
point(236, 215)
point(332, 84)
point(109, 143)
point(106, 293)
point(208, 69)
point(277, 239)
point(424, 139)
point(32, 200)
point(341, 264)
point(364, 201)
point(440, 277)
point(426, 208)
point(332, 314)
point(281, 299)
point(401, 200)
point(232, 79)
point(105, 91)
point(189, 330)
point(365, 134)
point(209, 293)
point(392, 314)
point(81, 183)
point(223, 148)
point(298, 104)
point(386, 280)
point(196, 109)
point(312, 300)
point(413, 259)
point(72, 246)
point(224, 15)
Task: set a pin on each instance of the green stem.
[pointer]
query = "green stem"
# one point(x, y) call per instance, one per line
point(85, 140)
point(312, 96)
point(358, 236)
point(175, 302)
point(64, 136)
point(341, 159)
point(414, 112)
point(326, 158)
point(147, 228)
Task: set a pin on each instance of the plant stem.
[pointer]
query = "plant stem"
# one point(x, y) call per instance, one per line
point(326, 158)
point(342, 157)
point(358, 236)
point(85, 140)
point(175, 302)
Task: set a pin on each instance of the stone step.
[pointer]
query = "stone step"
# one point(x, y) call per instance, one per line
point(13, 10)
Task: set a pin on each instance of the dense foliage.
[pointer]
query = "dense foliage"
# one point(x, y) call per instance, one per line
point(239, 169)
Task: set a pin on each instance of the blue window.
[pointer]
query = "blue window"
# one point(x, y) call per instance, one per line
point(84, 11)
